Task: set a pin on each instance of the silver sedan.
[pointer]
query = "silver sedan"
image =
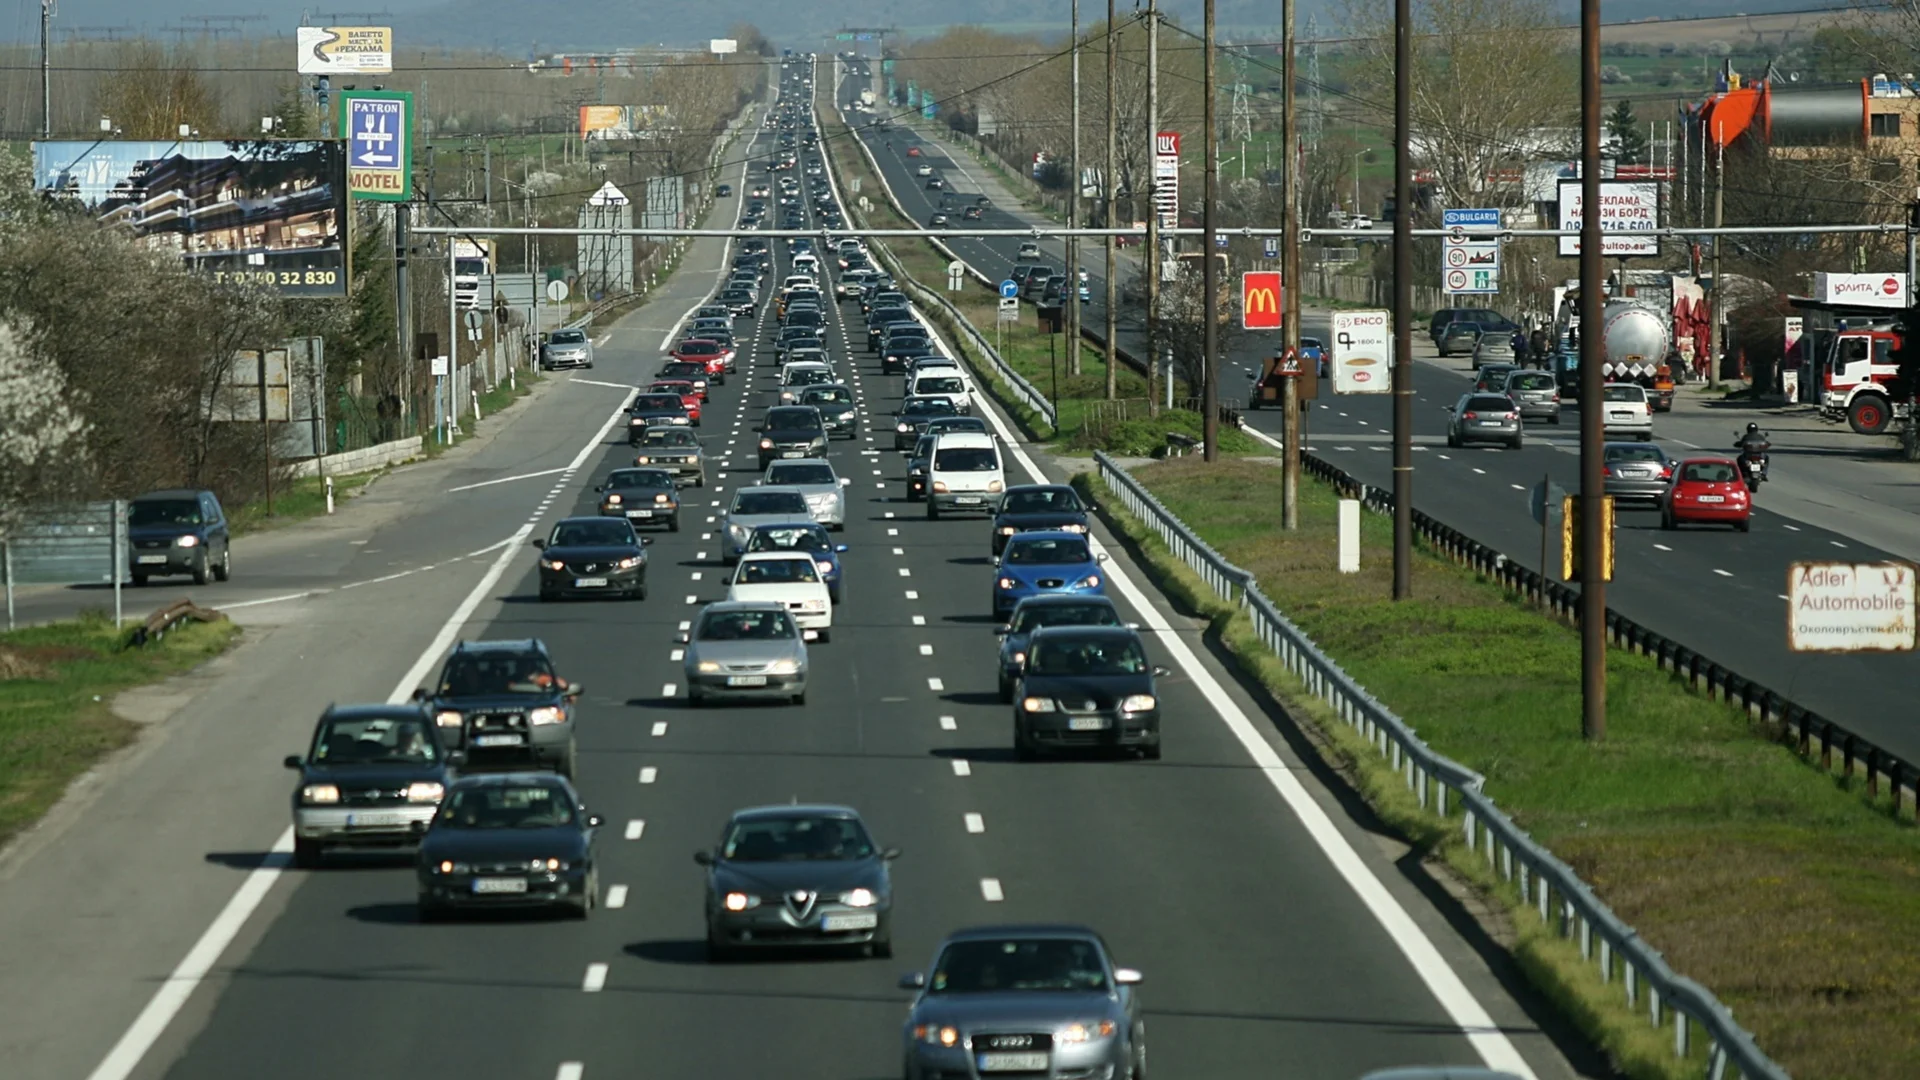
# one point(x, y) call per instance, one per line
point(1483, 418)
point(825, 492)
point(745, 649)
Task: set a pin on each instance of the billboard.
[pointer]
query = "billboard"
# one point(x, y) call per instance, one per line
point(1861, 290)
point(722, 46)
point(1625, 206)
point(1362, 355)
point(378, 127)
point(345, 50)
point(1850, 607)
point(621, 121)
point(265, 213)
point(1166, 178)
point(1260, 300)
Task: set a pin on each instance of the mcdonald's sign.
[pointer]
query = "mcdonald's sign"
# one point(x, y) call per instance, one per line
point(1260, 298)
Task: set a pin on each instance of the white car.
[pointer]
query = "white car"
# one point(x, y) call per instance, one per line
point(940, 381)
point(789, 578)
point(924, 170)
point(1628, 412)
point(964, 475)
point(1029, 252)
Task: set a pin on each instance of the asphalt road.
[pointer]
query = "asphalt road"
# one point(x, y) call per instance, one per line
point(1270, 926)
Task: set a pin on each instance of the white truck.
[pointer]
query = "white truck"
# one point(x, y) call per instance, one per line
point(472, 260)
point(867, 99)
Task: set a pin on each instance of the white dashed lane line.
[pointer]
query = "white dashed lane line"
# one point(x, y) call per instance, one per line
point(947, 723)
point(904, 572)
point(1721, 572)
point(616, 896)
point(636, 828)
point(570, 1070)
point(1836, 543)
point(961, 768)
point(975, 823)
point(912, 595)
point(919, 620)
point(935, 685)
point(990, 890)
point(649, 774)
point(1482, 472)
point(926, 650)
point(1663, 547)
point(596, 979)
point(659, 728)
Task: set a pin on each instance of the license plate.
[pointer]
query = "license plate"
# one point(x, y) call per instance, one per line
point(968, 500)
point(793, 453)
point(499, 740)
point(588, 582)
point(1713, 498)
point(860, 920)
point(639, 513)
point(1621, 415)
point(373, 820)
point(1012, 1062)
point(499, 885)
point(152, 559)
point(746, 680)
point(1489, 423)
point(1086, 723)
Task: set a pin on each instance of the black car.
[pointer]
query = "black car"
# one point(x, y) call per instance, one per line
point(1087, 688)
point(1042, 610)
point(1038, 506)
point(642, 496)
point(177, 532)
point(879, 319)
point(722, 191)
point(371, 773)
point(797, 875)
point(651, 409)
point(901, 350)
point(792, 431)
point(884, 298)
point(911, 421)
point(740, 302)
point(837, 408)
point(918, 461)
point(594, 556)
point(808, 317)
point(502, 703)
point(509, 840)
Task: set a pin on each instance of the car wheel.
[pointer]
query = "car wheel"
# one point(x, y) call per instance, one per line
point(1023, 749)
point(201, 573)
point(694, 697)
point(589, 898)
point(1646, 436)
point(717, 952)
point(546, 596)
point(430, 912)
point(1006, 691)
point(1554, 419)
point(224, 571)
point(800, 698)
point(933, 511)
point(1745, 525)
point(139, 580)
point(1151, 752)
point(1517, 443)
point(673, 523)
point(1453, 441)
point(306, 853)
point(825, 635)
point(700, 481)
point(1667, 522)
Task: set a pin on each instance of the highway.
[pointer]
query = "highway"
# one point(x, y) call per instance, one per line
point(1271, 926)
point(1719, 592)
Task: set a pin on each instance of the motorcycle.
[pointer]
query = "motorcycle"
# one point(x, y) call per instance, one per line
point(1753, 466)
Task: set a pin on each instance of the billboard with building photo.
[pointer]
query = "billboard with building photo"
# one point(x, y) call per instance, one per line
point(621, 121)
point(265, 213)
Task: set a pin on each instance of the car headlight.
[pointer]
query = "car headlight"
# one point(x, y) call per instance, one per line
point(186, 541)
point(320, 793)
point(766, 444)
point(903, 428)
point(1007, 583)
point(1038, 704)
point(628, 563)
point(680, 420)
point(1019, 657)
point(1008, 530)
point(548, 865)
point(552, 564)
point(636, 422)
point(663, 497)
point(1079, 1033)
point(547, 714)
point(739, 901)
point(858, 898)
point(447, 718)
point(936, 1035)
point(425, 791)
point(736, 530)
point(940, 486)
point(447, 866)
point(1091, 581)
point(1138, 703)
point(1073, 528)
point(783, 667)
point(994, 485)
point(823, 566)
point(642, 460)
point(613, 500)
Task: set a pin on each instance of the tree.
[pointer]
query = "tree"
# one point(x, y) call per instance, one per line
point(1629, 142)
point(153, 93)
point(40, 434)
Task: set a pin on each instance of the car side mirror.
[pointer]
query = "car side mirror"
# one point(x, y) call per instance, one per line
point(704, 858)
point(456, 757)
point(846, 481)
point(594, 821)
point(839, 549)
point(809, 635)
point(646, 541)
point(890, 854)
point(573, 691)
point(600, 488)
point(541, 544)
point(1160, 672)
point(684, 639)
point(1003, 628)
point(1100, 556)
point(1133, 626)
point(913, 980)
point(419, 693)
point(294, 761)
point(1127, 977)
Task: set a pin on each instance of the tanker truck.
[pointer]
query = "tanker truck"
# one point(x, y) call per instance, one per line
point(1635, 340)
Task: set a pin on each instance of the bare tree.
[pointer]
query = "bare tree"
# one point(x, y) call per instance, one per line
point(40, 433)
point(154, 92)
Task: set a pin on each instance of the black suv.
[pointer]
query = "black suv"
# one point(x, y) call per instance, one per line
point(502, 703)
point(1483, 319)
point(178, 532)
point(792, 431)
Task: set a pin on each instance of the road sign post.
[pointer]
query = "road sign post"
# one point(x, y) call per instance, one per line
point(956, 275)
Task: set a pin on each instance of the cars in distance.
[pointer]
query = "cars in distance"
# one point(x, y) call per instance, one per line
point(1088, 688)
point(1046, 609)
point(811, 538)
point(676, 450)
point(789, 578)
point(1636, 472)
point(1627, 411)
point(745, 650)
point(914, 415)
point(815, 479)
point(1030, 1000)
point(566, 348)
point(644, 496)
point(1537, 393)
point(755, 506)
point(687, 371)
point(792, 431)
point(509, 840)
point(722, 191)
point(797, 875)
point(1707, 491)
point(175, 532)
point(502, 703)
point(370, 774)
point(1482, 418)
point(1492, 378)
point(1044, 562)
point(1027, 507)
point(593, 556)
point(1492, 348)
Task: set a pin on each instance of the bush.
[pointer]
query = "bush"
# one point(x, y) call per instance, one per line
point(1147, 436)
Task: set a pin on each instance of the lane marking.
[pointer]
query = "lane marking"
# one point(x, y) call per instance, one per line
point(919, 620)
point(1482, 472)
point(990, 890)
point(1795, 528)
point(976, 823)
point(505, 480)
point(961, 768)
point(597, 382)
point(1516, 487)
point(1721, 572)
point(635, 829)
point(649, 774)
point(912, 594)
point(669, 690)
point(1836, 543)
point(947, 723)
point(696, 575)
point(677, 654)
point(685, 625)
point(596, 979)
point(904, 572)
point(570, 1070)
point(692, 599)
point(935, 685)
point(1663, 547)
point(899, 551)
point(616, 896)
point(926, 650)
point(659, 728)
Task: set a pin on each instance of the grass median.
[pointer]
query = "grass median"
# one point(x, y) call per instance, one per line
point(57, 684)
point(1787, 892)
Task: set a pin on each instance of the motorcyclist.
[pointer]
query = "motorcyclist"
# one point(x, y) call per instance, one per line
point(1755, 444)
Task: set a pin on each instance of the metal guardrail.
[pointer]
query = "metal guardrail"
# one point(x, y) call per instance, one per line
point(1545, 883)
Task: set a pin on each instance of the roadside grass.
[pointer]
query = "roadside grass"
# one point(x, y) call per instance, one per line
point(492, 401)
point(56, 685)
point(300, 500)
point(1787, 892)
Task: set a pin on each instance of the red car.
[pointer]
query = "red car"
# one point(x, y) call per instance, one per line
point(1707, 491)
point(693, 371)
point(913, 151)
point(689, 396)
point(711, 353)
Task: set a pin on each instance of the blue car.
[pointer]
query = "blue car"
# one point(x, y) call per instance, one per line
point(1048, 609)
point(1045, 562)
point(811, 537)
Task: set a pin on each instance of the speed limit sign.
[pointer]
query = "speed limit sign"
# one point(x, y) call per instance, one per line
point(1456, 256)
point(1456, 280)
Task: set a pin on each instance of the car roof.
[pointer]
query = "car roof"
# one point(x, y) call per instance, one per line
point(1024, 930)
point(1115, 632)
point(1620, 444)
point(784, 810)
point(509, 779)
point(722, 607)
point(172, 493)
point(774, 556)
point(772, 465)
point(1040, 487)
point(783, 488)
point(1065, 599)
point(513, 645)
point(1704, 461)
point(1044, 534)
point(966, 439)
point(405, 710)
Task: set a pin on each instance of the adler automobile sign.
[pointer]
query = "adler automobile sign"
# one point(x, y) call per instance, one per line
point(1362, 355)
point(1862, 290)
point(1850, 607)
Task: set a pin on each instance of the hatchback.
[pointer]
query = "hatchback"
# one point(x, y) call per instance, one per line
point(1480, 418)
point(1035, 563)
point(1707, 491)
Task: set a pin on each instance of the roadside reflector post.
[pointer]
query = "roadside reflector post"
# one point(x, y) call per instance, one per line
point(1349, 536)
point(329, 494)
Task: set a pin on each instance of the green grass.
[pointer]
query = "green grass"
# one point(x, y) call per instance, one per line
point(1788, 892)
point(304, 498)
point(57, 684)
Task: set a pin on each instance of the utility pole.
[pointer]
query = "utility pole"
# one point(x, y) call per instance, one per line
point(1402, 301)
point(1719, 219)
point(1210, 266)
point(1107, 195)
point(1289, 277)
point(1071, 294)
point(1593, 587)
point(403, 304)
point(1152, 253)
point(46, 71)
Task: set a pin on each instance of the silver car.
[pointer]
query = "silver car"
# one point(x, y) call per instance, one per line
point(825, 492)
point(566, 348)
point(1636, 472)
point(1537, 393)
point(761, 505)
point(676, 450)
point(1483, 418)
point(1028, 1000)
point(1494, 347)
point(745, 649)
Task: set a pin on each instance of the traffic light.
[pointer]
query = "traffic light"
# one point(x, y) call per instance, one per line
point(1570, 538)
point(1906, 354)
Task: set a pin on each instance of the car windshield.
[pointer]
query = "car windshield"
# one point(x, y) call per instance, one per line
point(1095, 656)
point(957, 423)
point(828, 395)
point(1041, 501)
point(801, 838)
point(790, 538)
point(793, 419)
point(808, 377)
point(799, 474)
point(927, 408)
point(164, 512)
point(374, 741)
point(698, 348)
point(657, 403)
point(1489, 404)
point(803, 317)
point(697, 372)
point(521, 806)
point(671, 437)
point(612, 532)
point(568, 337)
point(640, 478)
point(1047, 552)
point(966, 459)
point(473, 674)
point(680, 388)
point(1531, 380)
point(775, 572)
point(745, 626)
point(1624, 393)
point(993, 967)
point(1635, 453)
point(769, 502)
point(940, 384)
point(1708, 472)
point(1034, 616)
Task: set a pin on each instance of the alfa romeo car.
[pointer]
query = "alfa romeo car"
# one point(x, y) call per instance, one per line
point(797, 875)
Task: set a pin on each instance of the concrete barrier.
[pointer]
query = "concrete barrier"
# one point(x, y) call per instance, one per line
point(377, 456)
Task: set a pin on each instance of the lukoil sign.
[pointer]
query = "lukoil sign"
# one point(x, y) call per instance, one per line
point(1361, 359)
point(1865, 290)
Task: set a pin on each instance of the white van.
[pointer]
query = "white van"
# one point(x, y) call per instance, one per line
point(964, 474)
point(807, 264)
point(941, 381)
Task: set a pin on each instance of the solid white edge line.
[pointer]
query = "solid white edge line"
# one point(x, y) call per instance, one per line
point(504, 480)
point(172, 995)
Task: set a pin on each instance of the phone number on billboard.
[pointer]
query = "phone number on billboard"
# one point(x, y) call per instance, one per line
point(277, 277)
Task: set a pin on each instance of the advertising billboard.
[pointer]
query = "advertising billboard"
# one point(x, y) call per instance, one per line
point(1260, 300)
point(621, 121)
point(345, 50)
point(1851, 607)
point(1625, 206)
point(1862, 290)
point(378, 128)
point(265, 213)
point(1166, 178)
point(1361, 359)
